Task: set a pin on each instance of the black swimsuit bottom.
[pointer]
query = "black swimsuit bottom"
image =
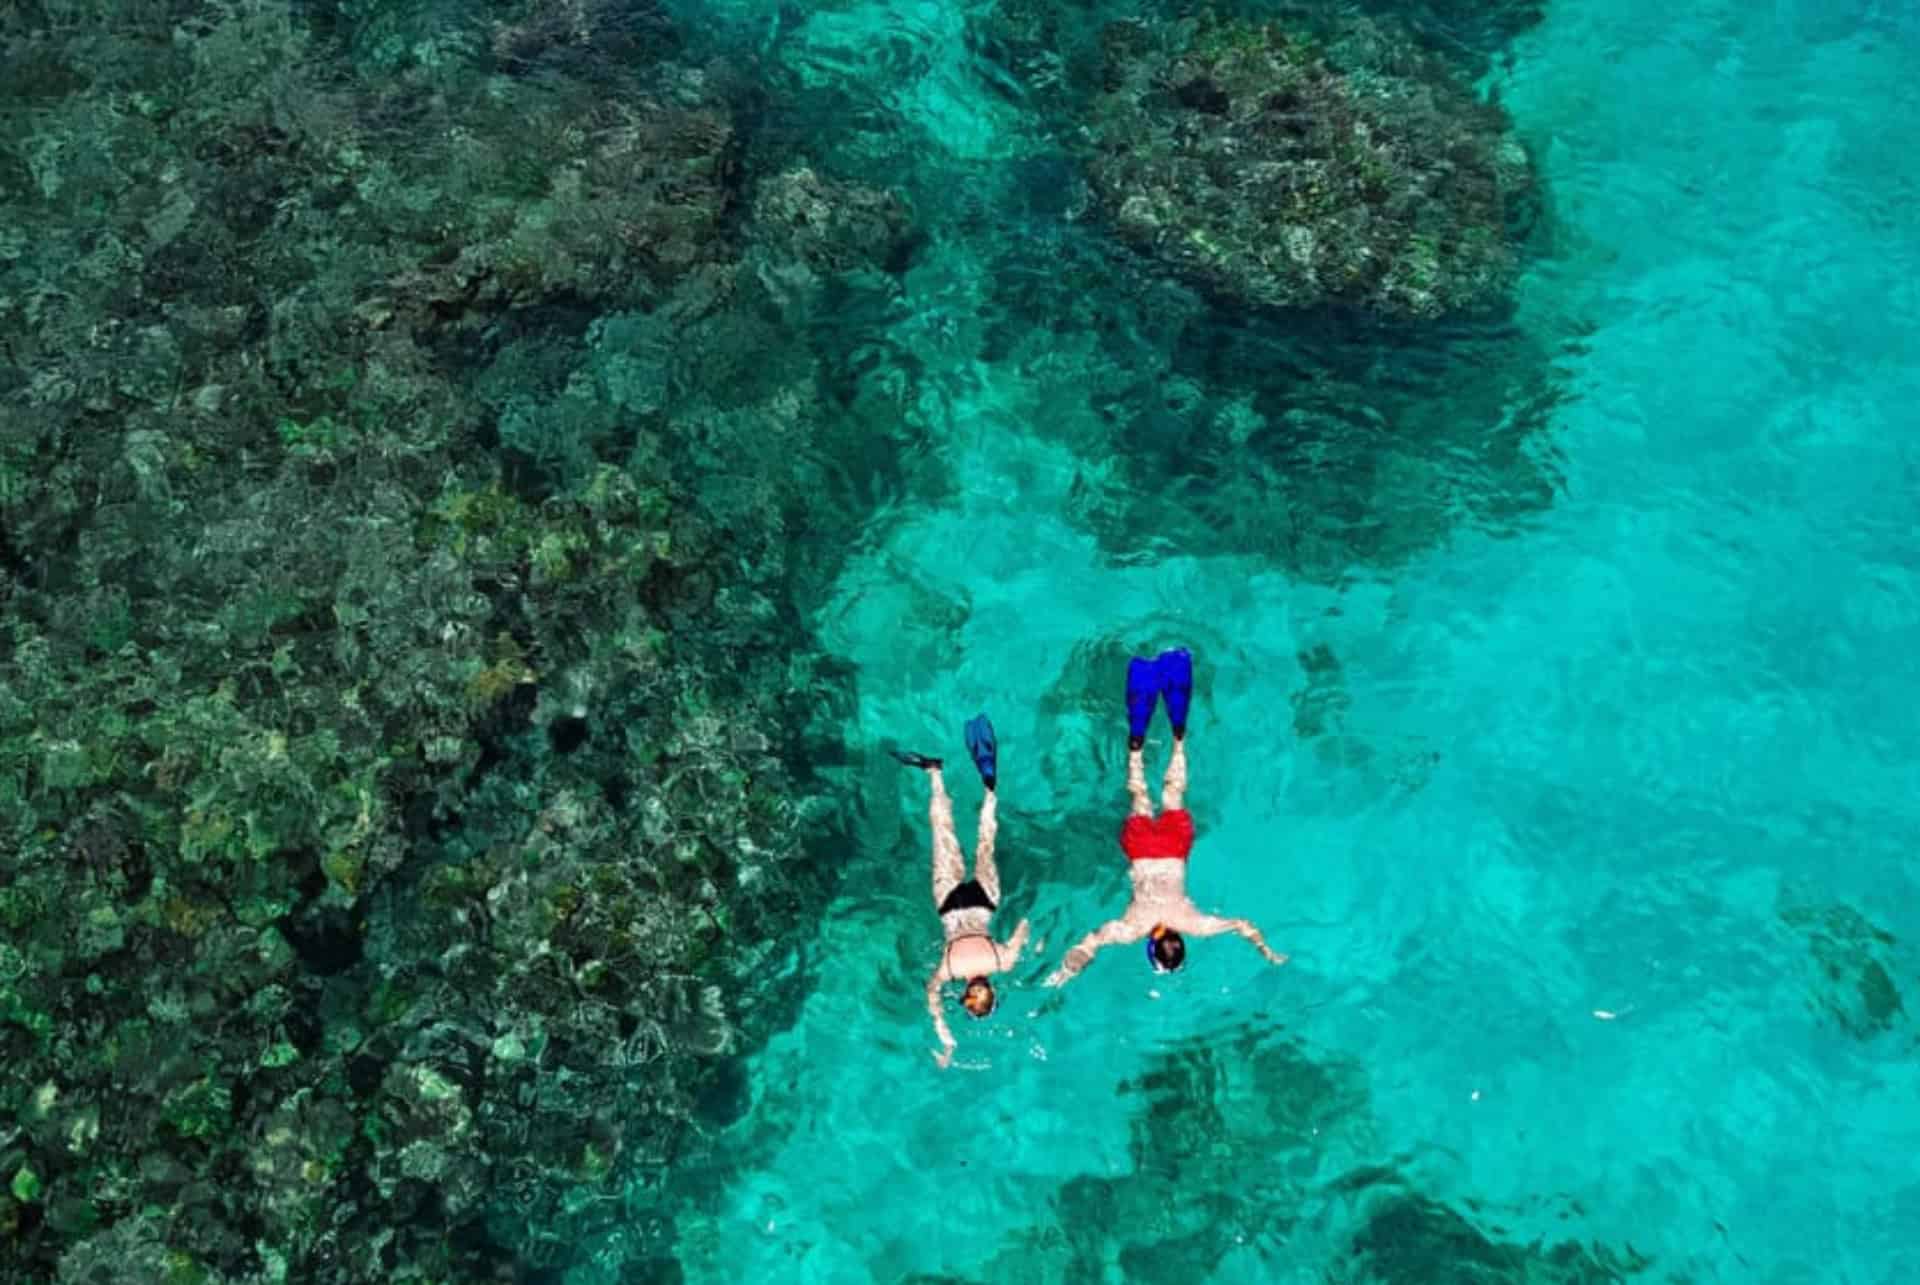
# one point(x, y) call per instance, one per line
point(967, 896)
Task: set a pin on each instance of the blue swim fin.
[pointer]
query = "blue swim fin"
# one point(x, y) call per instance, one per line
point(983, 747)
point(1143, 692)
point(1176, 684)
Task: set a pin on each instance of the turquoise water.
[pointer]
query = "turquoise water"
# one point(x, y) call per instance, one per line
point(1589, 828)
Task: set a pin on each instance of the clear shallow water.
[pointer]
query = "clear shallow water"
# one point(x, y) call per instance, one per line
point(1650, 754)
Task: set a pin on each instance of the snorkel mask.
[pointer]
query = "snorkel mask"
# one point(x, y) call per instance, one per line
point(1174, 945)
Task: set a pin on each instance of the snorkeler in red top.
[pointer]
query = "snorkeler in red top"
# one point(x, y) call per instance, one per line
point(1157, 847)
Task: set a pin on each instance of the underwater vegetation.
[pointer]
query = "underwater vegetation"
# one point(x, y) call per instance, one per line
point(404, 695)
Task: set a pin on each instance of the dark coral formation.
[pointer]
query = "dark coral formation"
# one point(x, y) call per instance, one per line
point(1471, 34)
point(1248, 1145)
point(828, 226)
point(1224, 1138)
point(1295, 169)
point(1051, 53)
point(1320, 706)
point(1405, 1238)
point(1851, 966)
point(399, 724)
point(1301, 158)
point(1344, 421)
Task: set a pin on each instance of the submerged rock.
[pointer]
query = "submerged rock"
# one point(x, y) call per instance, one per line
point(1406, 1238)
point(1851, 970)
point(1225, 1139)
point(1249, 1146)
point(1294, 169)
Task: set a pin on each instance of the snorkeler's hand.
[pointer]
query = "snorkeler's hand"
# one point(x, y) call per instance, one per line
point(1252, 934)
point(1209, 925)
point(944, 1058)
point(1077, 958)
point(1019, 941)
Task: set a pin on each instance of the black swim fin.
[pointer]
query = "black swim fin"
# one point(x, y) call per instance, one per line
point(911, 759)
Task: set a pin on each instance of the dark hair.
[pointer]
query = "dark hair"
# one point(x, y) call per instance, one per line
point(1167, 949)
point(966, 997)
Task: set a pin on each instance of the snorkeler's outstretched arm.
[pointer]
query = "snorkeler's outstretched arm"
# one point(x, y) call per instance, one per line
point(1111, 933)
point(945, 1055)
point(1016, 944)
point(1199, 925)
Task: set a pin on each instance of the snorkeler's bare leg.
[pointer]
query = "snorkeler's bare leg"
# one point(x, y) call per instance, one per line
point(983, 867)
point(1174, 788)
point(1137, 783)
point(949, 868)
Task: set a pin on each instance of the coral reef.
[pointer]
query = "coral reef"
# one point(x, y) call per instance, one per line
point(404, 694)
point(1471, 33)
point(425, 431)
point(1348, 408)
point(1297, 168)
